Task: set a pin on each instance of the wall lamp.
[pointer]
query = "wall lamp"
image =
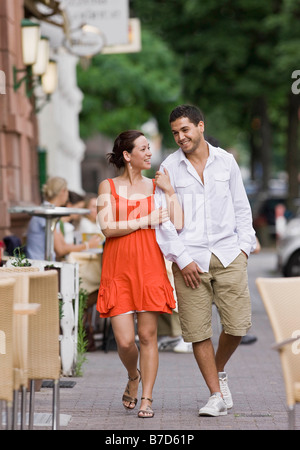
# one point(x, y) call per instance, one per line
point(49, 83)
point(35, 54)
point(30, 33)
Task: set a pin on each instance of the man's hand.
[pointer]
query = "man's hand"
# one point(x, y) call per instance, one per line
point(244, 253)
point(191, 275)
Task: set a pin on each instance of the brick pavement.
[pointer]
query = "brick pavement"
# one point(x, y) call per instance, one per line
point(255, 380)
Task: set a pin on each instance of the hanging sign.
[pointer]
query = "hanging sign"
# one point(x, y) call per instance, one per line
point(110, 17)
point(86, 41)
point(134, 40)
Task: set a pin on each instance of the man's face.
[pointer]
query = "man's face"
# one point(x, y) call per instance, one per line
point(187, 135)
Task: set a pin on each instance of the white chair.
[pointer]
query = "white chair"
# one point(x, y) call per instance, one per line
point(281, 298)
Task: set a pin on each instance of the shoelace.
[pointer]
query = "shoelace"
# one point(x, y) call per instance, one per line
point(223, 386)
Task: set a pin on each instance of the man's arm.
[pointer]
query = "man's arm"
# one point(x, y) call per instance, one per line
point(243, 213)
point(173, 249)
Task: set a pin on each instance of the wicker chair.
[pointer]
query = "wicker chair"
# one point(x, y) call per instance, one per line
point(43, 345)
point(7, 289)
point(281, 299)
point(20, 339)
point(40, 358)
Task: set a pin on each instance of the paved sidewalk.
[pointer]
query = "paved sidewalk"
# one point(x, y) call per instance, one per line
point(255, 380)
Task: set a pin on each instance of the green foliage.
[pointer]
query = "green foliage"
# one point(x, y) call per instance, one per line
point(81, 335)
point(233, 55)
point(20, 258)
point(228, 57)
point(124, 91)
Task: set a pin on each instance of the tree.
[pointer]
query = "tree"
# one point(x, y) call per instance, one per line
point(237, 59)
point(125, 90)
point(286, 61)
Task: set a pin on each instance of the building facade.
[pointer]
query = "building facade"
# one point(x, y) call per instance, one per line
point(35, 143)
point(19, 175)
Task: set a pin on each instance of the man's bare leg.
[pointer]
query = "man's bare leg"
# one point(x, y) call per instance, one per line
point(205, 357)
point(227, 346)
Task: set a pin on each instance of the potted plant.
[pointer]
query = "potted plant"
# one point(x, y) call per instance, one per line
point(20, 258)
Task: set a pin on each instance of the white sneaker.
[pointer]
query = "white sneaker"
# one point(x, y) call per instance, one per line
point(223, 380)
point(167, 342)
point(183, 347)
point(214, 407)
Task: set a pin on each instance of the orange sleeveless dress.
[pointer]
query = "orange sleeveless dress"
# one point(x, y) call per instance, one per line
point(134, 276)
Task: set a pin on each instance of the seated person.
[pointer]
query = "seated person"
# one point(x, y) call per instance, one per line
point(64, 239)
point(90, 268)
point(88, 224)
point(54, 192)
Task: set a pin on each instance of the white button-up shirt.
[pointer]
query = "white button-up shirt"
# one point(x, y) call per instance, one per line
point(217, 213)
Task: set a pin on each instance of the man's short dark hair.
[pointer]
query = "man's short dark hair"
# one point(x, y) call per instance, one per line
point(191, 112)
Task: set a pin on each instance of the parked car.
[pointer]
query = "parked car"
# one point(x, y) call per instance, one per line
point(263, 205)
point(265, 216)
point(288, 249)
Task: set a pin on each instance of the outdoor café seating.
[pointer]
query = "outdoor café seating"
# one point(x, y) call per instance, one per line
point(20, 341)
point(36, 337)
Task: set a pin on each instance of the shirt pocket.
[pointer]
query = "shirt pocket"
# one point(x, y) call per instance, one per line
point(185, 192)
point(184, 186)
point(222, 183)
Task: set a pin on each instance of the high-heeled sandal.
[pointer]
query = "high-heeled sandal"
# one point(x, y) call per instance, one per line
point(148, 410)
point(126, 396)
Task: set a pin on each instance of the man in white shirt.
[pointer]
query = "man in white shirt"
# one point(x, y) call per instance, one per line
point(210, 252)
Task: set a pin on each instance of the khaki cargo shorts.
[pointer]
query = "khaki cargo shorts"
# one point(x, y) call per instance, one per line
point(227, 288)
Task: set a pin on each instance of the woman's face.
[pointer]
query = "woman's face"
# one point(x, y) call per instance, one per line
point(77, 205)
point(140, 157)
point(64, 195)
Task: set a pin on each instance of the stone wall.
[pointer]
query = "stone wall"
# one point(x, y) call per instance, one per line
point(19, 179)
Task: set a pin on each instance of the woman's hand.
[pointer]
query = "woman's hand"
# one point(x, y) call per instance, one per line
point(162, 180)
point(158, 216)
point(95, 241)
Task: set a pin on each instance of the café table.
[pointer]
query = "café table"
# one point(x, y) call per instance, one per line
point(51, 214)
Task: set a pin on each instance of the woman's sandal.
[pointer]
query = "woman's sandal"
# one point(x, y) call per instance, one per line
point(126, 397)
point(148, 411)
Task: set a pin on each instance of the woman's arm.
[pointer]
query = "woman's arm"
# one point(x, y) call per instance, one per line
point(111, 228)
point(175, 211)
point(62, 248)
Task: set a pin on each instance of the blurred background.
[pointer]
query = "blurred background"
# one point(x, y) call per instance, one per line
point(75, 73)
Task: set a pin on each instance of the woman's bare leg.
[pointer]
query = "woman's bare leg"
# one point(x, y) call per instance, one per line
point(147, 332)
point(124, 332)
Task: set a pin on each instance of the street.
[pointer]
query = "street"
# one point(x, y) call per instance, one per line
point(255, 380)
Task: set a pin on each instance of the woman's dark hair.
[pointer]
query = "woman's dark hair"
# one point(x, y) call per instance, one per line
point(191, 112)
point(75, 198)
point(124, 142)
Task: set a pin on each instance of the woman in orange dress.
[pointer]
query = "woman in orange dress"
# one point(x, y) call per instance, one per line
point(134, 277)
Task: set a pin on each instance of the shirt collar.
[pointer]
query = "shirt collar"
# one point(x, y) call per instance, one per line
point(212, 154)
